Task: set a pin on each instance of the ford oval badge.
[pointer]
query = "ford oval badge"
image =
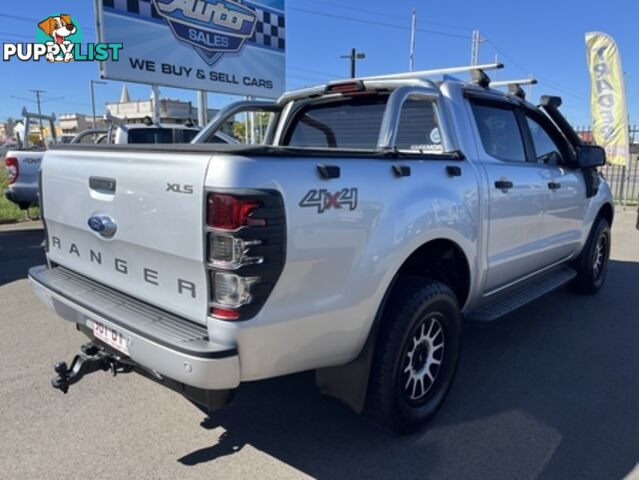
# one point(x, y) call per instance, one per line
point(102, 224)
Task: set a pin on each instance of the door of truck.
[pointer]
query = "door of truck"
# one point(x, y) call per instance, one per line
point(517, 194)
point(562, 222)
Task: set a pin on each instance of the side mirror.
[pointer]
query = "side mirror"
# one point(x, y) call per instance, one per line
point(589, 156)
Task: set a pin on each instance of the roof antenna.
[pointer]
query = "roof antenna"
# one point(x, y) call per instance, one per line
point(480, 78)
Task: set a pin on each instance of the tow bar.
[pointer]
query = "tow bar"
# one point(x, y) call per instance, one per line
point(92, 359)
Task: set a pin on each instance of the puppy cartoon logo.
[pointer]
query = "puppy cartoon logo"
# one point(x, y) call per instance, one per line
point(59, 28)
point(59, 39)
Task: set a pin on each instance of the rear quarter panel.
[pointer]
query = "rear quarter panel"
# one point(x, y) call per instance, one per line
point(25, 187)
point(341, 261)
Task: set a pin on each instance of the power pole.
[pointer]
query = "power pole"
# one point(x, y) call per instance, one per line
point(38, 92)
point(413, 28)
point(202, 108)
point(354, 56)
point(94, 82)
point(474, 52)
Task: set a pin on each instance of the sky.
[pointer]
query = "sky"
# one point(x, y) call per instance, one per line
point(544, 38)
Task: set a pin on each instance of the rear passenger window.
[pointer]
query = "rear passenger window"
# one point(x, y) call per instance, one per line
point(418, 128)
point(353, 123)
point(500, 133)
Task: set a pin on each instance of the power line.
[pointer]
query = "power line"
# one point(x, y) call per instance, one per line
point(34, 20)
point(379, 24)
point(302, 77)
point(16, 35)
point(551, 83)
point(386, 15)
point(308, 70)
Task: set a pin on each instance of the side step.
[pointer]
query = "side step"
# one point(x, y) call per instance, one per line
point(528, 291)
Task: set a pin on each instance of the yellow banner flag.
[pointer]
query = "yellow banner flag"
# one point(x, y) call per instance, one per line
point(608, 98)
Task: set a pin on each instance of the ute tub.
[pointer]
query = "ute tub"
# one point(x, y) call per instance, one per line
point(157, 340)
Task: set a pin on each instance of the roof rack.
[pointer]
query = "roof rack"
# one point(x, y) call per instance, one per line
point(477, 71)
point(507, 83)
point(433, 73)
point(514, 86)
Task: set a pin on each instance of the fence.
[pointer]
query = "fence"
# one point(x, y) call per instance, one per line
point(623, 181)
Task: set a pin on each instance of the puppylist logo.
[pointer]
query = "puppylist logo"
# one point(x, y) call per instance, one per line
point(59, 39)
point(211, 27)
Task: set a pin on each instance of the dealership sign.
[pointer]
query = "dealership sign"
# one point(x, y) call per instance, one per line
point(225, 46)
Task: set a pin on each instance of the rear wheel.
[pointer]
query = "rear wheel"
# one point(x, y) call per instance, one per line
point(416, 355)
point(592, 263)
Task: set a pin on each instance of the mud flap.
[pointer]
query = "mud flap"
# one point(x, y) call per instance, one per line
point(349, 383)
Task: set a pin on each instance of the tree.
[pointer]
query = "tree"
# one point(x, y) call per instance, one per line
point(261, 123)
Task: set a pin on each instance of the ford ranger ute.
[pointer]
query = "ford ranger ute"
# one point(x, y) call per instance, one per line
point(377, 213)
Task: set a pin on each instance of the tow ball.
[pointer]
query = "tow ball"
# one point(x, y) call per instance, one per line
point(92, 359)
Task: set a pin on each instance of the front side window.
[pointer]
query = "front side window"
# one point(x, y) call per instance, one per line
point(418, 128)
point(499, 132)
point(546, 149)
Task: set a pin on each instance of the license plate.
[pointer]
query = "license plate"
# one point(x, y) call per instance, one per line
point(110, 336)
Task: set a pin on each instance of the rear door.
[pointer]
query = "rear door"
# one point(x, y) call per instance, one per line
point(155, 201)
point(517, 194)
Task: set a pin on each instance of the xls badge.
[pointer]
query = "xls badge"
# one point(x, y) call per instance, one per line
point(212, 27)
point(324, 200)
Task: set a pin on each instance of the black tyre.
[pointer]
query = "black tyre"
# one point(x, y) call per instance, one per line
point(592, 263)
point(416, 355)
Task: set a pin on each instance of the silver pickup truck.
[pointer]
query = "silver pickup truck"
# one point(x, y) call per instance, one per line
point(378, 213)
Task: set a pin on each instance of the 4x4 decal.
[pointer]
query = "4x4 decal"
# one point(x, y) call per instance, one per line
point(324, 200)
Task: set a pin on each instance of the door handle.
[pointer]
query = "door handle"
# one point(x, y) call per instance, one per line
point(554, 185)
point(328, 171)
point(503, 184)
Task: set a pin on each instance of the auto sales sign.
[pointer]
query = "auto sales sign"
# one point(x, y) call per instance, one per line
point(226, 46)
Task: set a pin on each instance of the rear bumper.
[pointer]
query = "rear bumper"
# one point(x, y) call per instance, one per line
point(19, 193)
point(9, 195)
point(162, 343)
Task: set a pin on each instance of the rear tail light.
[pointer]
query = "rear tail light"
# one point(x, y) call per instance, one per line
point(245, 250)
point(228, 252)
point(232, 290)
point(227, 212)
point(13, 169)
point(225, 313)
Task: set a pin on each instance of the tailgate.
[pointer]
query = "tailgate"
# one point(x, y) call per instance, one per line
point(155, 201)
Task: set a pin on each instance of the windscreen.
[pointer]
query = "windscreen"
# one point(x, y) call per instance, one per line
point(188, 135)
point(350, 123)
point(151, 135)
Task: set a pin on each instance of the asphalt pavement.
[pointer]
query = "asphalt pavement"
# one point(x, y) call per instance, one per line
point(553, 392)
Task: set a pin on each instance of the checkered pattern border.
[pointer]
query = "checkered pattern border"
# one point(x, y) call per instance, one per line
point(270, 31)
